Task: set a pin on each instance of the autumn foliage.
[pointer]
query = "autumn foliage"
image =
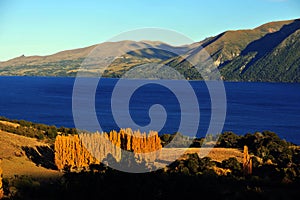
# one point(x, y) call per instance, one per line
point(1, 186)
point(78, 151)
point(247, 162)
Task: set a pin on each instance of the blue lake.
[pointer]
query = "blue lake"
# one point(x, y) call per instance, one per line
point(251, 107)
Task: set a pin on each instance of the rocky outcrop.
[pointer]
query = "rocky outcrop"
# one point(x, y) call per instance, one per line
point(79, 151)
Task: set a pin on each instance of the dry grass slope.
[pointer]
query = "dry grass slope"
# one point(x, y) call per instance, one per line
point(216, 154)
point(14, 161)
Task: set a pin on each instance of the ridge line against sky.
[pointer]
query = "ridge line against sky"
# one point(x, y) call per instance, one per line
point(32, 27)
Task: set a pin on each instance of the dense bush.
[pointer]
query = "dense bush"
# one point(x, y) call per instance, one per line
point(229, 139)
point(233, 164)
point(266, 145)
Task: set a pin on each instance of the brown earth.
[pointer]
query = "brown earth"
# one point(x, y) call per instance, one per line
point(14, 161)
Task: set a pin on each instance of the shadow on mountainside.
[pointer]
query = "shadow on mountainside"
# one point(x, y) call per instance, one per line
point(267, 43)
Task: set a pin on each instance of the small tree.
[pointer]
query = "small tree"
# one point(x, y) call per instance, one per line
point(1, 185)
point(247, 162)
point(165, 138)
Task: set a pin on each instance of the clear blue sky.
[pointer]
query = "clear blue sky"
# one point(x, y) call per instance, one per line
point(36, 27)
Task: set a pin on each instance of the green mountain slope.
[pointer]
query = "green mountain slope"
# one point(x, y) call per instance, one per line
point(274, 57)
point(282, 64)
point(236, 53)
point(229, 44)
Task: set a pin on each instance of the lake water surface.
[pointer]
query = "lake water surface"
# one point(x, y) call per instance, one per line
point(251, 107)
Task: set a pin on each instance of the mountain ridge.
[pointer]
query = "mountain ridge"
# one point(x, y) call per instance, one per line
point(240, 55)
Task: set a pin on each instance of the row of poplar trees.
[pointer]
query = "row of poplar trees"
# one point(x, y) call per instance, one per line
point(79, 151)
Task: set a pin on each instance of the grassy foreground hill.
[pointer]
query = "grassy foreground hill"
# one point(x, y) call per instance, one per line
point(269, 52)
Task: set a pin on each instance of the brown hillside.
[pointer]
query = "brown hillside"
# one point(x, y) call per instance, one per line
point(14, 160)
point(229, 44)
point(37, 60)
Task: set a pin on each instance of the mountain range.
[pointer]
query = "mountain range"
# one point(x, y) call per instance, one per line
point(268, 53)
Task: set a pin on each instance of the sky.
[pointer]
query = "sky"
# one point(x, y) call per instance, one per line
point(35, 27)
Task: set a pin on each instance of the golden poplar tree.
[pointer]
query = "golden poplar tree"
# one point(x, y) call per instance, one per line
point(247, 162)
point(1, 186)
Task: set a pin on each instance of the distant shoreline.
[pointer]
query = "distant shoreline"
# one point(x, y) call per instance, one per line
point(225, 81)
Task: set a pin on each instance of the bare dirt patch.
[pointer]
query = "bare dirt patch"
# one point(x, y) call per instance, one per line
point(216, 154)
